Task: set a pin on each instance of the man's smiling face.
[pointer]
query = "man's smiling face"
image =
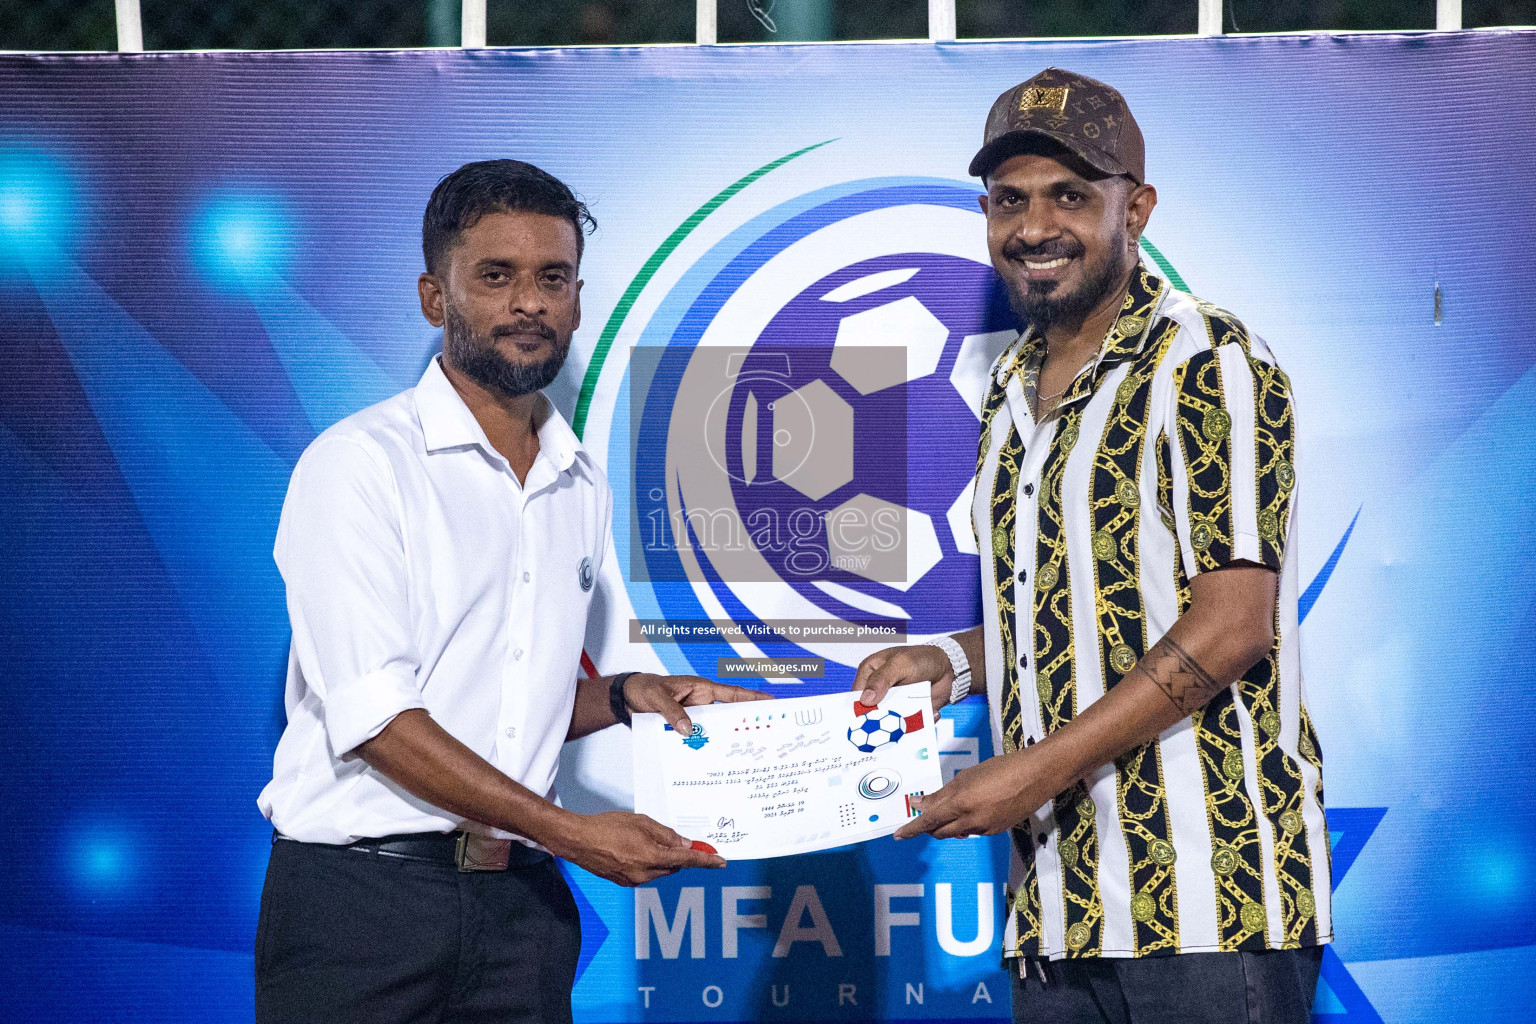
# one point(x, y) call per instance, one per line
point(1060, 241)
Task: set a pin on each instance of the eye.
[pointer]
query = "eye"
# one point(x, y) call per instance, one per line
point(494, 276)
point(1073, 198)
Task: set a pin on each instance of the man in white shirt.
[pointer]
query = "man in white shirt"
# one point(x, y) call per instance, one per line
point(440, 551)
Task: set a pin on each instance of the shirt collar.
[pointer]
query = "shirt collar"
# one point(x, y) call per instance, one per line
point(1126, 337)
point(446, 422)
point(557, 441)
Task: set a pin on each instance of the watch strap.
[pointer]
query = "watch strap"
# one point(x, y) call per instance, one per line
point(616, 701)
point(961, 688)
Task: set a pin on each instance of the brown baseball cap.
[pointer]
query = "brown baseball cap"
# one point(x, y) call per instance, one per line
point(1086, 116)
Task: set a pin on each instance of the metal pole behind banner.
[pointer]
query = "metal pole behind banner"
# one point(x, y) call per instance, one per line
point(1210, 17)
point(941, 21)
point(130, 27)
point(472, 24)
point(1448, 15)
point(704, 32)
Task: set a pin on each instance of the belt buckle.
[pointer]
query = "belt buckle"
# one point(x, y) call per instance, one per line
point(475, 852)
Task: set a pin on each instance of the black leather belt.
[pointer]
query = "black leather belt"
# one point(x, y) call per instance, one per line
point(466, 851)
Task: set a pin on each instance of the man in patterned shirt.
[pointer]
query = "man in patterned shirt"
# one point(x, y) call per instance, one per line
point(1135, 504)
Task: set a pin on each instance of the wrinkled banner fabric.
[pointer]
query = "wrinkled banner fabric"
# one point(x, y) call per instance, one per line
point(205, 259)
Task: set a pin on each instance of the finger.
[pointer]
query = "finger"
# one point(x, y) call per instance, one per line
point(689, 853)
point(919, 825)
point(932, 815)
point(676, 717)
point(690, 858)
point(880, 682)
point(957, 829)
point(866, 669)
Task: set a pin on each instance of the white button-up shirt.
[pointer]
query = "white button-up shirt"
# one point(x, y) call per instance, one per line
point(421, 574)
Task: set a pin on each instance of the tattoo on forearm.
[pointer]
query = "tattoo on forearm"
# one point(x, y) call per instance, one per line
point(1180, 676)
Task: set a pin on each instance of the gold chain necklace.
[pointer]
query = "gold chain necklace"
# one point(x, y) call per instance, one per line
point(1046, 398)
point(1042, 398)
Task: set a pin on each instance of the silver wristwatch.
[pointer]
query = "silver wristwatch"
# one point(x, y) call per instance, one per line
point(957, 661)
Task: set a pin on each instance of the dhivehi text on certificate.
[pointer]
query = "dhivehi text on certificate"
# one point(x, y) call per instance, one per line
point(776, 778)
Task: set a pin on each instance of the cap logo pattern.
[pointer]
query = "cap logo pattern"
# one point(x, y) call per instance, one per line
point(1084, 115)
point(1038, 97)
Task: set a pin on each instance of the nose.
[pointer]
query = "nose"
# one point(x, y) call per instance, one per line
point(1038, 225)
point(527, 298)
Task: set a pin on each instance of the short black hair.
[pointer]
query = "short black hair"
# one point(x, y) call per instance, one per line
point(495, 186)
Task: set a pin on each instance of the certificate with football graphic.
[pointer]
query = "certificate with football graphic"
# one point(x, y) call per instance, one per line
point(776, 778)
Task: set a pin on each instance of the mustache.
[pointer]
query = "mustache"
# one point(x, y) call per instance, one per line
point(1017, 250)
point(530, 326)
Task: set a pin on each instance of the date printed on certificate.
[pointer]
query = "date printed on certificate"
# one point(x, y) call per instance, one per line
point(776, 778)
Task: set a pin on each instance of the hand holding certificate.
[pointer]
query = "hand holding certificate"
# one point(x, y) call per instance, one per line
point(771, 779)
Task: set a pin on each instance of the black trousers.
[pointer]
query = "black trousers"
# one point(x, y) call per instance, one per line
point(1270, 987)
point(349, 937)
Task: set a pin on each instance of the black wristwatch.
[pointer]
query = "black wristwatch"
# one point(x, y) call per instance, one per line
point(616, 699)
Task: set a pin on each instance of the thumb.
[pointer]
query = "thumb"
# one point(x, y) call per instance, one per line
point(863, 678)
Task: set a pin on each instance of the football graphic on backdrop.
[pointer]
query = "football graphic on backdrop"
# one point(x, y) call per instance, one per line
point(805, 413)
point(857, 404)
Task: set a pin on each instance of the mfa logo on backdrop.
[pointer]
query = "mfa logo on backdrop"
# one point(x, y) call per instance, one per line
point(803, 408)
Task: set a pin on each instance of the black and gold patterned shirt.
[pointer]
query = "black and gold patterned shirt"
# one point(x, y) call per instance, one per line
point(1172, 454)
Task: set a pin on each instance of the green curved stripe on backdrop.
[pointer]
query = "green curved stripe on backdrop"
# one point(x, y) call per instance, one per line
point(1166, 267)
point(643, 278)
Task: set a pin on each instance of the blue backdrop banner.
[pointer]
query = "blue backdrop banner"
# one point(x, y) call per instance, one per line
point(206, 259)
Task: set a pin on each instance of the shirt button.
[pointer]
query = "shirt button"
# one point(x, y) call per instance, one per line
point(517, 655)
point(1023, 661)
point(527, 576)
point(511, 732)
point(1029, 489)
point(1023, 576)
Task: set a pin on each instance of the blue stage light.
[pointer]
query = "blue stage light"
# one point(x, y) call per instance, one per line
point(101, 862)
point(1497, 873)
point(242, 240)
point(36, 203)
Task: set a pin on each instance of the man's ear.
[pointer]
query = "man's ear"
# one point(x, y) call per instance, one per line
point(1138, 209)
point(431, 292)
point(576, 319)
point(982, 199)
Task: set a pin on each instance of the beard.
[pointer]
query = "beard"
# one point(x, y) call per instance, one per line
point(1043, 304)
point(477, 357)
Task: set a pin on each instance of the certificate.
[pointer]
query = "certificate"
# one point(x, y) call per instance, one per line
point(775, 778)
